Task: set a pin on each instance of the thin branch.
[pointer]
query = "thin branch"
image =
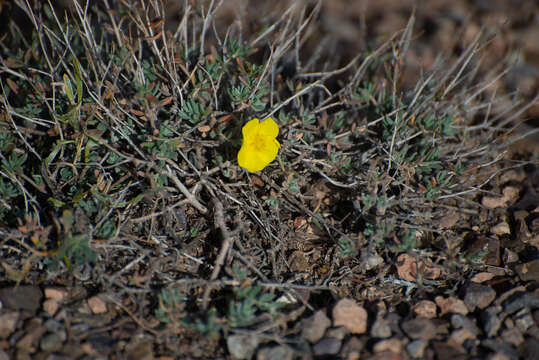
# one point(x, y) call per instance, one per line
point(192, 200)
point(227, 242)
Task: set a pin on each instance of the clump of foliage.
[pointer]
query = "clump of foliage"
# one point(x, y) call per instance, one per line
point(117, 135)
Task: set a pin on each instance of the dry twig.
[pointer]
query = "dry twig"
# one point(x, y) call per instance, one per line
point(227, 242)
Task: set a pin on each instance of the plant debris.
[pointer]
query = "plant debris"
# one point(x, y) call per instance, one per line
point(398, 219)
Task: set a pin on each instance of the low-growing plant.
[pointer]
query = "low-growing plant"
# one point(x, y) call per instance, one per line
point(111, 121)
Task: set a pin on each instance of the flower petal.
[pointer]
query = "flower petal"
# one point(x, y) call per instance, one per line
point(259, 147)
point(269, 127)
point(268, 153)
point(250, 160)
point(250, 128)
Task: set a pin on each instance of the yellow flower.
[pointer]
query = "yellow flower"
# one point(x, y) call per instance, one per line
point(259, 146)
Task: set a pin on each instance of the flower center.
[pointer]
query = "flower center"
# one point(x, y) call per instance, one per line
point(258, 142)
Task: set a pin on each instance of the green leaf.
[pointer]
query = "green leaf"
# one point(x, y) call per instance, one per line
point(68, 89)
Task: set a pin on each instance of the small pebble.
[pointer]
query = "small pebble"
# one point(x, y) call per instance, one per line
point(314, 327)
point(393, 345)
point(416, 348)
point(501, 229)
point(530, 349)
point(353, 347)
point(24, 297)
point(451, 305)
point(512, 336)
point(242, 346)
point(491, 320)
point(50, 342)
point(53, 325)
point(500, 347)
point(51, 306)
point(524, 322)
point(519, 302)
point(461, 335)
point(482, 277)
point(349, 314)
point(528, 271)
point(56, 293)
point(426, 309)
point(419, 328)
point(8, 323)
point(381, 329)
point(459, 321)
point(338, 333)
point(509, 257)
point(97, 305)
point(280, 352)
point(327, 346)
point(478, 295)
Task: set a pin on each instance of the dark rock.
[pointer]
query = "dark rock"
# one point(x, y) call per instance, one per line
point(139, 350)
point(509, 257)
point(509, 293)
point(393, 320)
point(460, 321)
point(24, 297)
point(327, 346)
point(512, 336)
point(530, 349)
point(79, 328)
point(524, 321)
point(53, 325)
point(280, 352)
point(446, 351)
point(74, 350)
point(314, 327)
point(491, 320)
point(478, 295)
point(461, 335)
point(353, 347)
point(482, 243)
point(59, 357)
point(416, 348)
point(103, 344)
point(471, 346)
point(420, 328)
point(493, 252)
point(520, 301)
point(50, 342)
point(533, 331)
point(442, 326)
point(22, 354)
point(500, 347)
point(534, 225)
point(33, 332)
point(338, 333)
